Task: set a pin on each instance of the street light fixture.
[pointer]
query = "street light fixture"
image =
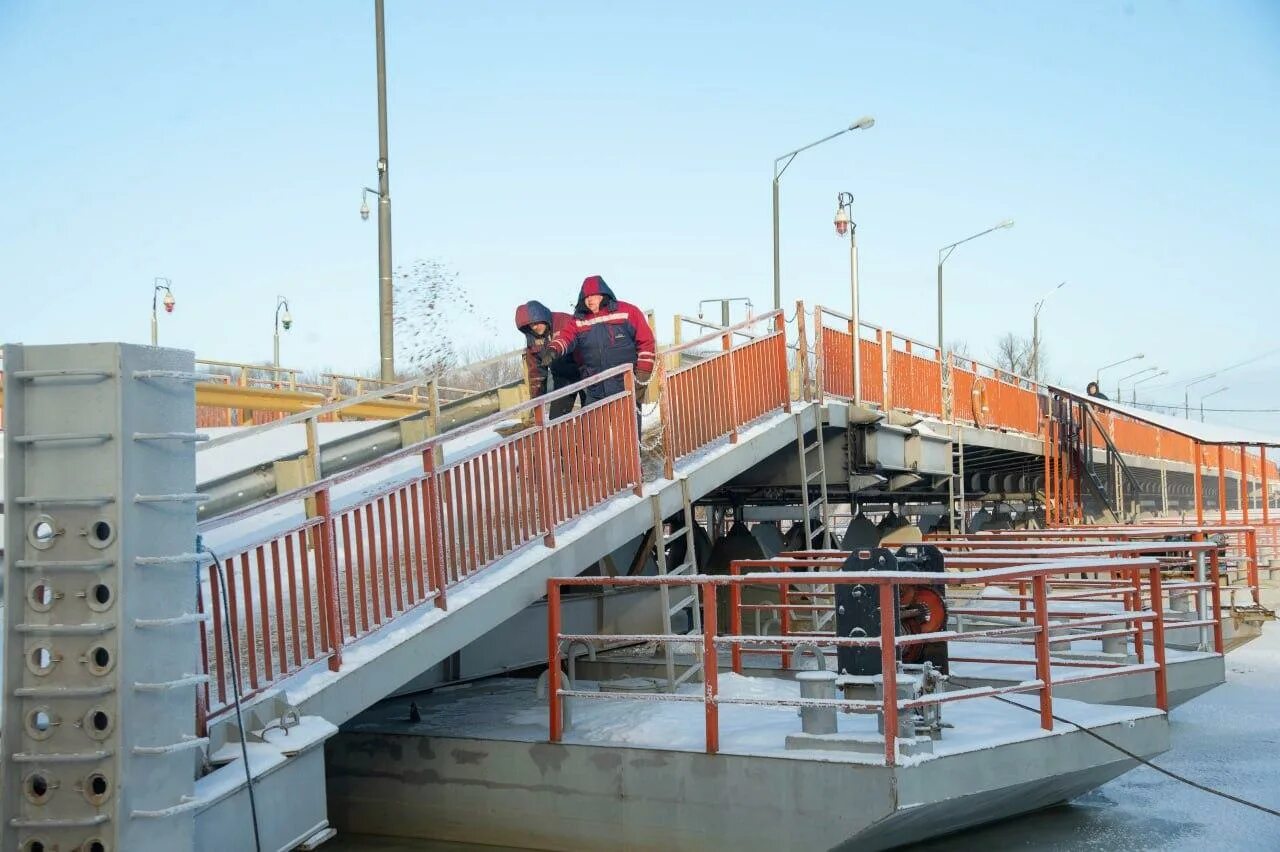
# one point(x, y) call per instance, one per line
point(168, 301)
point(1123, 379)
point(1035, 331)
point(1187, 398)
point(844, 224)
point(1206, 396)
point(1146, 379)
point(943, 254)
point(285, 320)
point(779, 166)
point(1097, 376)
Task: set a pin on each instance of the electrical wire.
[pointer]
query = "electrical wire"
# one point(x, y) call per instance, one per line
point(1169, 773)
point(235, 692)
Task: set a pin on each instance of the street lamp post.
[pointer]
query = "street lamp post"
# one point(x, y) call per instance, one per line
point(1186, 393)
point(1122, 379)
point(844, 222)
point(386, 315)
point(168, 302)
point(780, 166)
point(1146, 379)
point(943, 254)
point(1097, 375)
point(286, 321)
point(1035, 332)
point(724, 307)
point(1206, 396)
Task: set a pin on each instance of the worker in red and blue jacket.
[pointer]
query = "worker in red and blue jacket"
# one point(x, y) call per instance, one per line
point(606, 333)
point(539, 325)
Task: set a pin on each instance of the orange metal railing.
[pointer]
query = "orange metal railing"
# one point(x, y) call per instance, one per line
point(1031, 628)
point(719, 394)
point(297, 596)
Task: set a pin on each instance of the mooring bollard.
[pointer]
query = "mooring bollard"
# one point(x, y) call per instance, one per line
point(817, 684)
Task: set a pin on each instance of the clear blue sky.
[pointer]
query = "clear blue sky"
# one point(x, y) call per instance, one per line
point(224, 146)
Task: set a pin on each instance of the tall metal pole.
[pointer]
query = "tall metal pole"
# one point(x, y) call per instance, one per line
point(276, 357)
point(857, 312)
point(385, 313)
point(777, 260)
point(1035, 344)
point(941, 347)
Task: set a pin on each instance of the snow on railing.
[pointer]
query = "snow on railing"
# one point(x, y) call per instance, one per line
point(345, 573)
point(1133, 583)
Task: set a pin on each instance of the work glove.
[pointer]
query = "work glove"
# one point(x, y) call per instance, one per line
point(546, 356)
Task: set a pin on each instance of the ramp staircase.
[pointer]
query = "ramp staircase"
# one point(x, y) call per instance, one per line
point(668, 533)
point(1107, 490)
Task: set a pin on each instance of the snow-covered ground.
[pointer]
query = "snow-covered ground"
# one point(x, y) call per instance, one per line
point(1227, 738)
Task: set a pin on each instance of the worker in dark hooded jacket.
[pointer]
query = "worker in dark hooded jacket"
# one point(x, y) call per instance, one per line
point(606, 333)
point(539, 325)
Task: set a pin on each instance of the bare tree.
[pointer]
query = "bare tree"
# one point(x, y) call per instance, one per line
point(1013, 354)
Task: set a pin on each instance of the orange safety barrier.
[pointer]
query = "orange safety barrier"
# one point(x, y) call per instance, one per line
point(297, 596)
point(718, 395)
point(836, 358)
point(1032, 629)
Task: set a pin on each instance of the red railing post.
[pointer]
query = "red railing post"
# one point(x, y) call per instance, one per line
point(327, 557)
point(886, 358)
point(1251, 553)
point(710, 668)
point(726, 345)
point(633, 459)
point(546, 515)
point(1215, 598)
point(1266, 496)
point(1044, 672)
point(556, 725)
point(735, 619)
point(431, 527)
point(780, 326)
point(820, 356)
point(889, 672)
point(1222, 485)
point(1157, 638)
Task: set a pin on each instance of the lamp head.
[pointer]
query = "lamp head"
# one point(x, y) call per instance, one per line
point(286, 319)
point(864, 123)
point(169, 302)
point(1005, 225)
point(364, 210)
point(842, 221)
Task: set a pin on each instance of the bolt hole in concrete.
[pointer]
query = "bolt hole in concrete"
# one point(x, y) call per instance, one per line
point(42, 532)
point(97, 724)
point(39, 723)
point(100, 660)
point(37, 788)
point(100, 594)
point(40, 660)
point(41, 597)
point(97, 788)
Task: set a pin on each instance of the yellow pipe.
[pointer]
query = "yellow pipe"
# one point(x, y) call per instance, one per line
point(219, 395)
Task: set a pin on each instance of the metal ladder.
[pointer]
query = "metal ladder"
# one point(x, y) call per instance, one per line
point(688, 567)
point(806, 481)
point(805, 450)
